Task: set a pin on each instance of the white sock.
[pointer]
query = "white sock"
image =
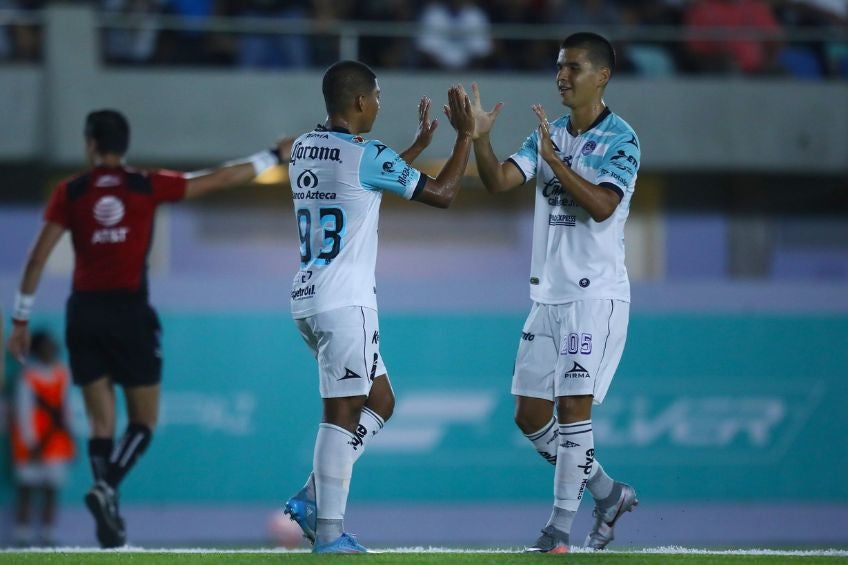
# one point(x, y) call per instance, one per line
point(332, 465)
point(370, 423)
point(600, 484)
point(575, 458)
point(545, 441)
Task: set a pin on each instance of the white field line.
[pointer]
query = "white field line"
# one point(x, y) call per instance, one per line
point(668, 550)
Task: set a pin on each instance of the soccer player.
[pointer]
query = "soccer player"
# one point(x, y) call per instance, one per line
point(585, 166)
point(112, 333)
point(338, 179)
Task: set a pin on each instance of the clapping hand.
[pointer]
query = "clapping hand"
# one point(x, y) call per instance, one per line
point(483, 120)
point(546, 145)
point(426, 126)
point(458, 110)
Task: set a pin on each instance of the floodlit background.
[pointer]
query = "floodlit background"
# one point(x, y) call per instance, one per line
point(728, 410)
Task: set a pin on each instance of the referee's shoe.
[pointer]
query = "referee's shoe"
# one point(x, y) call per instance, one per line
point(102, 502)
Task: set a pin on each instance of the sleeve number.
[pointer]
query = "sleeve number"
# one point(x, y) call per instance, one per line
point(333, 224)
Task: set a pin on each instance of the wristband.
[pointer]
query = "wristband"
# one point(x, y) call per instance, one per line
point(263, 161)
point(22, 307)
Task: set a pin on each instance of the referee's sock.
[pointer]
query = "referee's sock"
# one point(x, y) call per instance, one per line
point(99, 450)
point(133, 443)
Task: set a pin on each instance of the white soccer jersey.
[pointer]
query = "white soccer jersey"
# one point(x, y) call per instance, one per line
point(575, 257)
point(337, 183)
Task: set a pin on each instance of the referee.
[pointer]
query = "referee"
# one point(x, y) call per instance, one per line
point(112, 332)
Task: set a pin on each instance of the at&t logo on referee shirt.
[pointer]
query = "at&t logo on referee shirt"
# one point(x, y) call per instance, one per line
point(109, 211)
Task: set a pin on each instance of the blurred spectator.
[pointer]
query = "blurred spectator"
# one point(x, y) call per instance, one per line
point(21, 42)
point(812, 59)
point(196, 46)
point(265, 51)
point(454, 35)
point(750, 56)
point(42, 442)
point(135, 45)
point(325, 47)
point(521, 54)
point(386, 52)
point(584, 13)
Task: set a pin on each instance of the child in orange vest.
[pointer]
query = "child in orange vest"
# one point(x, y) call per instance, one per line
point(42, 441)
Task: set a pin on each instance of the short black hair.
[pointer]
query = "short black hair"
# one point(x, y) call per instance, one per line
point(598, 48)
point(343, 82)
point(110, 131)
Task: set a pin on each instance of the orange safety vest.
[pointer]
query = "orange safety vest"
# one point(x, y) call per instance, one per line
point(53, 440)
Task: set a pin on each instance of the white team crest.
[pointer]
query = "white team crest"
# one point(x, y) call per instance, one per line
point(109, 210)
point(107, 180)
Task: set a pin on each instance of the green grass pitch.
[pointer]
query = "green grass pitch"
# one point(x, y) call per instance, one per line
point(412, 557)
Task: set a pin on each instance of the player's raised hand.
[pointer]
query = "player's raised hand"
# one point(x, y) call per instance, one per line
point(426, 126)
point(546, 145)
point(483, 120)
point(458, 111)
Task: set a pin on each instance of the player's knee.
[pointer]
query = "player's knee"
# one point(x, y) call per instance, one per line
point(574, 408)
point(344, 412)
point(525, 422)
point(381, 399)
point(387, 408)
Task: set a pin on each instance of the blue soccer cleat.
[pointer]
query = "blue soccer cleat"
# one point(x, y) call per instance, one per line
point(304, 512)
point(345, 543)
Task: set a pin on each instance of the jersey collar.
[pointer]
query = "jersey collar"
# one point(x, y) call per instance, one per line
point(601, 117)
point(337, 129)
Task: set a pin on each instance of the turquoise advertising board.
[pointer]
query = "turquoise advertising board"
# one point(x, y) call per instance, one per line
point(712, 408)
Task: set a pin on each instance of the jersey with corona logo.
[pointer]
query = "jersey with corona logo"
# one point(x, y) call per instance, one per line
point(337, 181)
point(575, 257)
point(110, 213)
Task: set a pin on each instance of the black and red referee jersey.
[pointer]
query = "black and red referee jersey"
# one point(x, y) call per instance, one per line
point(110, 214)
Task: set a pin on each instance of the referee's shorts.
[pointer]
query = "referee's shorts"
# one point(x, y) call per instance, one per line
point(114, 334)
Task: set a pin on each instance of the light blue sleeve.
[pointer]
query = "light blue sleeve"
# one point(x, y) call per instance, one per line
point(620, 162)
point(381, 168)
point(527, 157)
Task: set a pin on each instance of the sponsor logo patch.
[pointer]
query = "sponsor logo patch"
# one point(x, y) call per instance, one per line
point(576, 372)
point(349, 375)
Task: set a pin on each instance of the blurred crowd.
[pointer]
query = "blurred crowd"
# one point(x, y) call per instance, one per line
point(764, 37)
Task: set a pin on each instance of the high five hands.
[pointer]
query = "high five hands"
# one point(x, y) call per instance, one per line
point(459, 111)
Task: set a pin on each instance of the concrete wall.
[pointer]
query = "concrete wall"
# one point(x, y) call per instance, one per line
point(183, 115)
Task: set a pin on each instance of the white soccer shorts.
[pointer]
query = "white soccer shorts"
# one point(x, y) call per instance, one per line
point(51, 474)
point(346, 343)
point(570, 349)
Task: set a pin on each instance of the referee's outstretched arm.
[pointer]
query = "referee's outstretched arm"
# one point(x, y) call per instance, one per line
point(235, 173)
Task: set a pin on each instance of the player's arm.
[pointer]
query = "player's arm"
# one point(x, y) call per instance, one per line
point(45, 242)
point(424, 133)
point(441, 191)
point(600, 201)
point(236, 173)
point(496, 176)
